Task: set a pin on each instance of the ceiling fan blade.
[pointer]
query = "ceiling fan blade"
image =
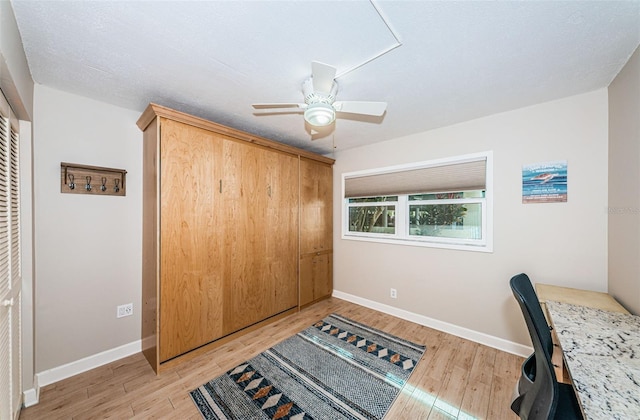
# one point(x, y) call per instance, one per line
point(361, 107)
point(279, 111)
point(276, 105)
point(322, 76)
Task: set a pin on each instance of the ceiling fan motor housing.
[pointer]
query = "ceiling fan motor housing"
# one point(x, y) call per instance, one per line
point(313, 97)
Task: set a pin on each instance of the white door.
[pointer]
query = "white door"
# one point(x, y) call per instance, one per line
point(10, 277)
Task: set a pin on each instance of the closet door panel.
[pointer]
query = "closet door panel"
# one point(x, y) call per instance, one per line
point(191, 275)
point(316, 272)
point(307, 268)
point(260, 268)
point(316, 209)
point(323, 276)
point(281, 230)
point(244, 202)
point(316, 230)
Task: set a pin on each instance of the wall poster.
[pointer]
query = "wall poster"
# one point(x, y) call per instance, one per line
point(544, 182)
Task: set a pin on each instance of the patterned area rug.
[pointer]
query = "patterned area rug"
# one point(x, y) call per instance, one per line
point(335, 369)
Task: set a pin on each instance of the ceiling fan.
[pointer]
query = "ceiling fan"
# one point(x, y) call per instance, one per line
point(320, 105)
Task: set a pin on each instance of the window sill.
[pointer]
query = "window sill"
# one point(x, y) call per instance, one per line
point(425, 244)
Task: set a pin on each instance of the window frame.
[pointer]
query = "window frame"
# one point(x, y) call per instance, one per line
point(402, 205)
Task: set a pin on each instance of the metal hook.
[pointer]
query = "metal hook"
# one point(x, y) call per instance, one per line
point(88, 186)
point(103, 188)
point(72, 184)
point(117, 187)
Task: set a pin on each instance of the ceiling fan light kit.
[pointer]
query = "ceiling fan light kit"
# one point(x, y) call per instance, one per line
point(320, 105)
point(320, 114)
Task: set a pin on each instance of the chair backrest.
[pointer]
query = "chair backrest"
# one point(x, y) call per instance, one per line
point(525, 295)
point(539, 402)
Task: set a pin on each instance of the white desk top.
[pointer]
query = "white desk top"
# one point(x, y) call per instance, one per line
point(602, 353)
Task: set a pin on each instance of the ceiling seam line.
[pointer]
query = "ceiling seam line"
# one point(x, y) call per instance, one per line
point(380, 54)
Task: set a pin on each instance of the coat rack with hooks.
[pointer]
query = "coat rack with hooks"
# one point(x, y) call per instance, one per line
point(85, 179)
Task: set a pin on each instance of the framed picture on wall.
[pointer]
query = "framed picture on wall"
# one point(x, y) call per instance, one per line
point(544, 182)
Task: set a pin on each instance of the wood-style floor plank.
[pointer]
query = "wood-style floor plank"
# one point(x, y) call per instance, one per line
point(478, 390)
point(456, 378)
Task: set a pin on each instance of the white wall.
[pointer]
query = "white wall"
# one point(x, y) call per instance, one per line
point(558, 243)
point(624, 185)
point(87, 248)
point(15, 77)
point(17, 85)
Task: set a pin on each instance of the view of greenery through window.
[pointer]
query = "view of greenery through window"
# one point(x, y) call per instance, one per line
point(435, 215)
point(378, 218)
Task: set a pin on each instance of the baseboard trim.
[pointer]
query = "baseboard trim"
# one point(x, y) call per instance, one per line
point(31, 396)
point(47, 377)
point(478, 337)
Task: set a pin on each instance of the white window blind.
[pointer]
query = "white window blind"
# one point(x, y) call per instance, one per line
point(450, 177)
point(442, 203)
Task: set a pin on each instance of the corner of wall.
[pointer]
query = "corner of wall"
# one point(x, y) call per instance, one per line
point(623, 224)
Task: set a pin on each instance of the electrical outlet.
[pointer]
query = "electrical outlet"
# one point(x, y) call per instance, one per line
point(124, 310)
point(394, 293)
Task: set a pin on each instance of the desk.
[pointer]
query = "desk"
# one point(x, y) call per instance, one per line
point(602, 354)
point(581, 297)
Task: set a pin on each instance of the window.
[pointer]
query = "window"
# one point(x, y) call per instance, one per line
point(444, 203)
point(373, 214)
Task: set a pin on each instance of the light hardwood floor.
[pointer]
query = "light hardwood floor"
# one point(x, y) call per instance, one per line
point(456, 378)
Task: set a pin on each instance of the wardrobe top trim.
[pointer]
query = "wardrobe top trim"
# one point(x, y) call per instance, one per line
point(155, 110)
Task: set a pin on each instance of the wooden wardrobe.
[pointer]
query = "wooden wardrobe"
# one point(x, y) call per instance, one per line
point(316, 231)
point(234, 233)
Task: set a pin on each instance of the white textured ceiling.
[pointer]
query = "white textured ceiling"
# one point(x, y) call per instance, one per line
point(457, 61)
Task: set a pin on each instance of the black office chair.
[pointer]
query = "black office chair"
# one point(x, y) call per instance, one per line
point(528, 369)
point(545, 398)
point(527, 374)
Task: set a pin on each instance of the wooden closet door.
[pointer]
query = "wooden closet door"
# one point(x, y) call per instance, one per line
point(316, 231)
point(316, 273)
point(281, 230)
point(260, 194)
point(316, 206)
point(190, 251)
